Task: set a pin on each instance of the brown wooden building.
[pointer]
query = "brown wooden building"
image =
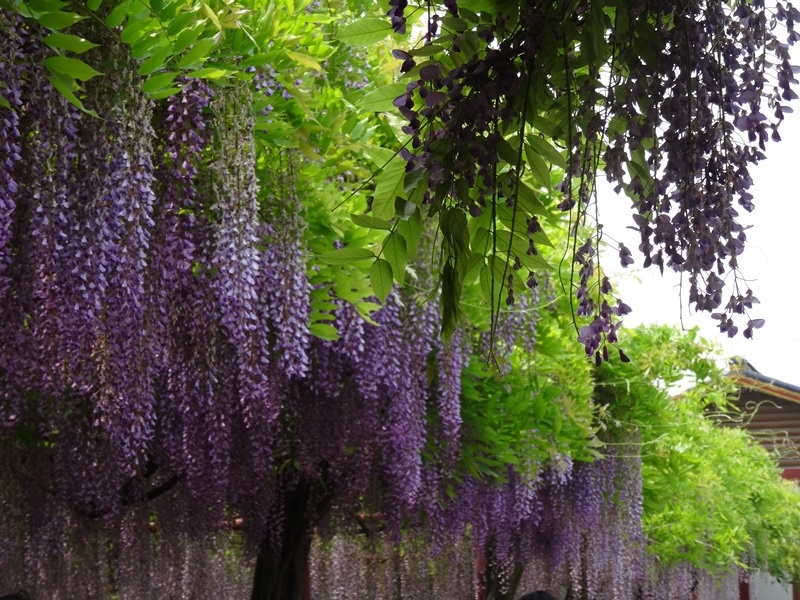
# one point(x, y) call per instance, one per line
point(772, 413)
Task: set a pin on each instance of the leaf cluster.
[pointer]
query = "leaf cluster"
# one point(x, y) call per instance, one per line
point(712, 495)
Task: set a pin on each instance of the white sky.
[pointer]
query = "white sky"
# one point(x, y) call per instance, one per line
point(770, 262)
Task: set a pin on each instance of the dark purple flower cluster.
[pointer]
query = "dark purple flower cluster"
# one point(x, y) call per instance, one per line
point(9, 143)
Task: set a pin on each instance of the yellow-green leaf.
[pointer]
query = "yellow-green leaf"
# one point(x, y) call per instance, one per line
point(305, 60)
point(207, 11)
point(538, 167)
point(211, 73)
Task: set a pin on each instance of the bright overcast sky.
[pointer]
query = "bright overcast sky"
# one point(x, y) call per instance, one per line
point(769, 262)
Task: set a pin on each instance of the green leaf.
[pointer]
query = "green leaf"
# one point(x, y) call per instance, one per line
point(529, 200)
point(258, 60)
point(371, 222)
point(507, 151)
point(537, 166)
point(346, 255)
point(388, 186)
point(93, 5)
point(364, 32)
point(137, 31)
point(155, 62)
point(380, 276)
point(380, 156)
point(197, 55)
point(117, 16)
point(182, 21)
point(164, 93)
point(305, 60)
point(210, 73)
point(427, 50)
point(209, 12)
point(395, 251)
point(146, 46)
point(187, 37)
point(72, 67)
point(67, 87)
point(411, 230)
point(158, 82)
point(324, 331)
point(66, 41)
point(380, 100)
point(45, 6)
point(547, 150)
point(59, 19)
point(452, 286)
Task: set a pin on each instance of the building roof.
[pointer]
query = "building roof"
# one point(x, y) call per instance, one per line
point(746, 376)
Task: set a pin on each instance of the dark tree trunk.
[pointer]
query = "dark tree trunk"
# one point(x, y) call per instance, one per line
point(497, 586)
point(281, 571)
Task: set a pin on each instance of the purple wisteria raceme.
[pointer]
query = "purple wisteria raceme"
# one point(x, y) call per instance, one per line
point(283, 266)
point(399, 350)
point(451, 358)
point(10, 149)
point(118, 199)
point(236, 252)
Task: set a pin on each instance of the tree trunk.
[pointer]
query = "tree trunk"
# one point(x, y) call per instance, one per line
point(282, 572)
point(496, 586)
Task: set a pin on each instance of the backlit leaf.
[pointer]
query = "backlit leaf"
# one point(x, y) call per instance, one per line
point(380, 100)
point(538, 167)
point(364, 31)
point(305, 60)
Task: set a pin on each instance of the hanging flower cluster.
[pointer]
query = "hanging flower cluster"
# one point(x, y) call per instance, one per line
point(159, 385)
point(674, 102)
